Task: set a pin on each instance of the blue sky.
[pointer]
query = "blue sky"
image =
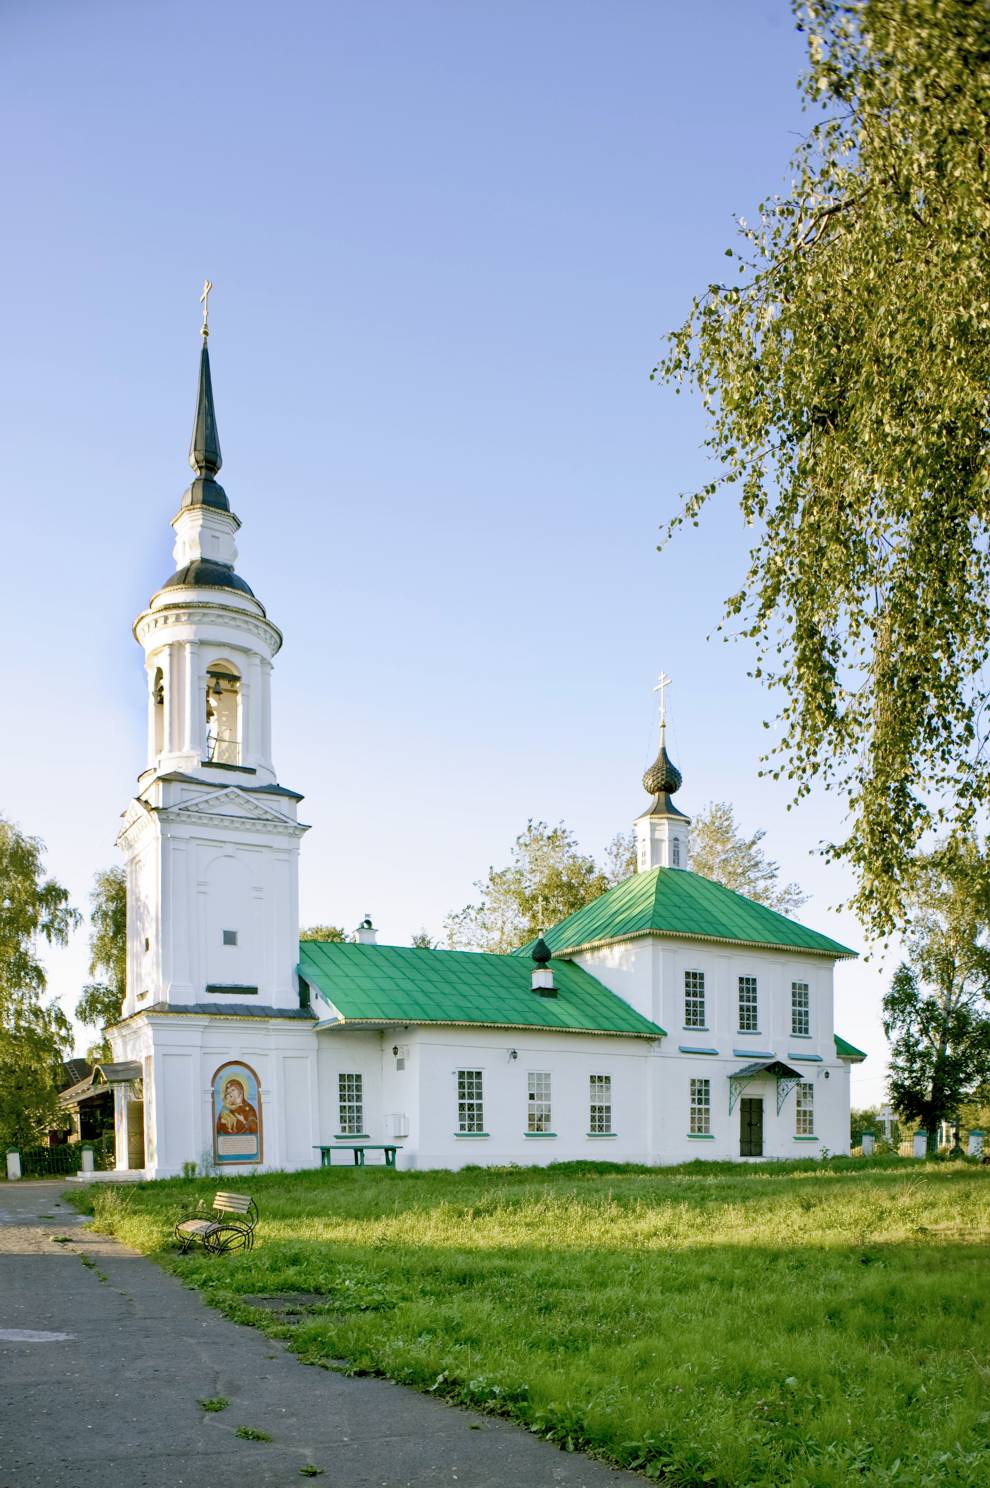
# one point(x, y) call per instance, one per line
point(446, 239)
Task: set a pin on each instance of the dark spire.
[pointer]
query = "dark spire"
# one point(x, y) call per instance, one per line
point(204, 449)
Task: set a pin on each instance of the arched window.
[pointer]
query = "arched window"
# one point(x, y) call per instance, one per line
point(158, 706)
point(223, 714)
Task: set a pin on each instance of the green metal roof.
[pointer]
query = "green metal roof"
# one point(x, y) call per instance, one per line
point(371, 984)
point(674, 902)
point(845, 1050)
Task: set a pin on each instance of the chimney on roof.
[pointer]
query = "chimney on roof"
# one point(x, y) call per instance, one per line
point(543, 983)
point(366, 934)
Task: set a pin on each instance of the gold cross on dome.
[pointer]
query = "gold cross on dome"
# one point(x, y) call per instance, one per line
point(204, 300)
point(663, 682)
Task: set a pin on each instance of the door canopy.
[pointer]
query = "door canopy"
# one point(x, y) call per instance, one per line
point(786, 1078)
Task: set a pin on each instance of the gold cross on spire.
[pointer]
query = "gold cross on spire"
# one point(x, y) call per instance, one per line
point(663, 682)
point(204, 300)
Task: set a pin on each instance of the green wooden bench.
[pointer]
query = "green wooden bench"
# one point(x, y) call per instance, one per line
point(358, 1149)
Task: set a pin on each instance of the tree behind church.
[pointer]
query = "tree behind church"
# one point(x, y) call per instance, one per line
point(548, 879)
point(936, 1011)
point(102, 1000)
point(720, 851)
point(35, 1035)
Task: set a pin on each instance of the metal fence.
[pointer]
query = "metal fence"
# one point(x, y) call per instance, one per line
point(60, 1162)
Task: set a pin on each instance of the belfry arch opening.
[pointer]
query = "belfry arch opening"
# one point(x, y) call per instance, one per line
point(158, 711)
point(223, 714)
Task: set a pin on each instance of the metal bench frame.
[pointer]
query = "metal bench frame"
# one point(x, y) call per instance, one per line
point(327, 1150)
point(231, 1228)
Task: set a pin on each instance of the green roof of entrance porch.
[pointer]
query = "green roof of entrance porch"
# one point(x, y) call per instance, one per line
point(374, 985)
point(674, 902)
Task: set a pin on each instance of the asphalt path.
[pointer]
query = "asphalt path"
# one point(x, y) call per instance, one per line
point(104, 1359)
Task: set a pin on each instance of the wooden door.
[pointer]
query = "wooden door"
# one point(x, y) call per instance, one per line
point(751, 1127)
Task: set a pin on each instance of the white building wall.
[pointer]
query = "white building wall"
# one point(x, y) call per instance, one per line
point(436, 1054)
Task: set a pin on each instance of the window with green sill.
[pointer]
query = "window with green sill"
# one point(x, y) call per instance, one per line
point(700, 1113)
point(600, 1106)
point(800, 1010)
point(804, 1118)
point(694, 999)
point(538, 1103)
point(350, 1089)
point(749, 1021)
point(470, 1103)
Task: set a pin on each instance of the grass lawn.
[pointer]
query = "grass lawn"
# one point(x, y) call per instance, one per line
point(788, 1323)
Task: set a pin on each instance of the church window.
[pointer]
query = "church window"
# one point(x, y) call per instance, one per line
point(223, 710)
point(600, 1111)
point(800, 1009)
point(538, 1106)
point(701, 1108)
point(230, 937)
point(470, 1101)
point(676, 859)
point(694, 999)
point(749, 1021)
point(351, 1090)
point(804, 1125)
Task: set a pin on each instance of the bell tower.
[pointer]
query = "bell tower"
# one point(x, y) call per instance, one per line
point(211, 840)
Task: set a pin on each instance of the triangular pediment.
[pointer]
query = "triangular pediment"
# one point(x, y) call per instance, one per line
point(229, 801)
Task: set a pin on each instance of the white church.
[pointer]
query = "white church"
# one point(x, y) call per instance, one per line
point(671, 1019)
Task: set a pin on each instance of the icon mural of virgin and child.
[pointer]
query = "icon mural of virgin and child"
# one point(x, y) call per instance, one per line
point(236, 1114)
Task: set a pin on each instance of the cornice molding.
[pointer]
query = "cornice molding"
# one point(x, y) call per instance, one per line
point(179, 815)
point(167, 616)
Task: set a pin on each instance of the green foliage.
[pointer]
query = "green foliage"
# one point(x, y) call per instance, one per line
point(547, 880)
point(249, 1433)
point(214, 1403)
point(101, 1001)
point(31, 906)
point(685, 1322)
point(422, 941)
point(323, 932)
point(720, 851)
point(620, 858)
point(935, 1011)
point(844, 365)
point(35, 1036)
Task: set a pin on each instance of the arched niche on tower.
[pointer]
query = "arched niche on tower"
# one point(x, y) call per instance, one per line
point(224, 714)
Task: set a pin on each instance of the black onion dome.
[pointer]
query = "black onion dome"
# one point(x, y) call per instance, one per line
point(207, 573)
point(541, 952)
point(663, 777)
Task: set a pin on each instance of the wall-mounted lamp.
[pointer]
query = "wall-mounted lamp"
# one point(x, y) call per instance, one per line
point(826, 1074)
point(395, 1050)
point(513, 1053)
